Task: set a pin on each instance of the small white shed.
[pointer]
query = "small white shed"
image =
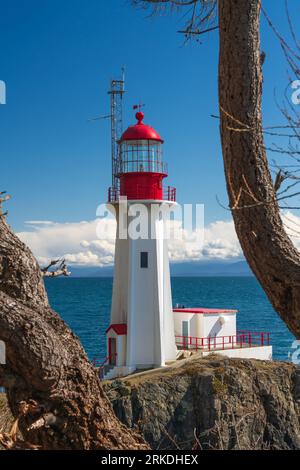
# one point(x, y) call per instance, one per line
point(204, 323)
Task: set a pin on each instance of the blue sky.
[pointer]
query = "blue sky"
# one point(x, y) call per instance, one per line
point(57, 57)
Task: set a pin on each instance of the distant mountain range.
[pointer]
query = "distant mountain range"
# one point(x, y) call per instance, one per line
point(239, 268)
point(215, 268)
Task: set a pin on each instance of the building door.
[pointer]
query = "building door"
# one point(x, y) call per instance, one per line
point(185, 334)
point(112, 351)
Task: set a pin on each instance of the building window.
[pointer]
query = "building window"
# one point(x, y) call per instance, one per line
point(144, 259)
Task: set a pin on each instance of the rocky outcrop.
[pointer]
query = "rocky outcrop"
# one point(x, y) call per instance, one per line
point(210, 403)
point(213, 403)
point(6, 419)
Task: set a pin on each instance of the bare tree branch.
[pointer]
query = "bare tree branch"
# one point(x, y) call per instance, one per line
point(61, 269)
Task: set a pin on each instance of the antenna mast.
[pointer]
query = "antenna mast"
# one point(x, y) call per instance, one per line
point(116, 92)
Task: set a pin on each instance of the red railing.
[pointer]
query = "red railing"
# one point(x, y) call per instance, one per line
point(264, 338)
point(169, 194)
point(101, 363)
point(241, 340)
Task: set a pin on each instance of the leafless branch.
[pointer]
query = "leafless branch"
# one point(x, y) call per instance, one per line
point(60, 270)
point(202, 14)
point(3, 198)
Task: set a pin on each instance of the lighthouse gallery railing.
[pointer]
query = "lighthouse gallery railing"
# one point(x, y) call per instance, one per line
point(169, 194)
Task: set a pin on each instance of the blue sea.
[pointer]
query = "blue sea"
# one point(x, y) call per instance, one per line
point(84, 303)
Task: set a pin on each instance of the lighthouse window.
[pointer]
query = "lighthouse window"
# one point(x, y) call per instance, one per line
point(144, 259)
point(141, 155)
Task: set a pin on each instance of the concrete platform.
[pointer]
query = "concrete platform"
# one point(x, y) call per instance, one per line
point(263, 353)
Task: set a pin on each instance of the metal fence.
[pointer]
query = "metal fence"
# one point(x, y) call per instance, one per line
point(244, 339)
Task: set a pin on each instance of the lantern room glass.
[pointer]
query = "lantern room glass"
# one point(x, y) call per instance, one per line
point(141, 156)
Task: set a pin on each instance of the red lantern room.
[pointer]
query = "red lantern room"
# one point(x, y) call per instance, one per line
point(141, 168)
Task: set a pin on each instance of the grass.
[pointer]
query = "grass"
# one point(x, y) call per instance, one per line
point(219, 387)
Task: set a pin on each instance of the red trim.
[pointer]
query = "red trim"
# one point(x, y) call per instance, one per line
point(112, 354)
point(141, 185)
point(119, 328)
point(168, 194)
point(213, 343)
point(203, 310)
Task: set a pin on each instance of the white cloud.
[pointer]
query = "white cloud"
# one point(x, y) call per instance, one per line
point(292, 225)
point(78, 243)
point(220, 243)
point(74, 241)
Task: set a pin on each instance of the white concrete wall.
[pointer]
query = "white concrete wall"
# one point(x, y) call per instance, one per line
point(121, 350)
point(121, 277)
point(196, 329)
point(142, 297)
point(144, 319)
point(179, 317)
point(212, 326)
point(258, 352)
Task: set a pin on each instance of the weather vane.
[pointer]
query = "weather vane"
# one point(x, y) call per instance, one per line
point(138, 106)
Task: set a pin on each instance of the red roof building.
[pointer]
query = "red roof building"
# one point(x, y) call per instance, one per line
point(119, 328)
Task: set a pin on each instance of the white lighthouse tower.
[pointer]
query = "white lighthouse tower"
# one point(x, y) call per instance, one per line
point(141, 332)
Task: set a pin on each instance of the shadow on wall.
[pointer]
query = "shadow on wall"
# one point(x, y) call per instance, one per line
point(215, 329)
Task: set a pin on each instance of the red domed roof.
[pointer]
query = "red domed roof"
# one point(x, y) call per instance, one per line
point(140, 131)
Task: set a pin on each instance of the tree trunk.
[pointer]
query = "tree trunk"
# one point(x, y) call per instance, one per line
point(50, 383)
point(266, 246)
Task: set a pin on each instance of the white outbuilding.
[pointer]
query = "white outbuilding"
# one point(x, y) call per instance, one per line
point(208, 330)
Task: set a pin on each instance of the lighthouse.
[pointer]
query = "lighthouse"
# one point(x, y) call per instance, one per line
point(141, 331)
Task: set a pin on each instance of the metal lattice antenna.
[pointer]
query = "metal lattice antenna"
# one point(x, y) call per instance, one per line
point(116, 93)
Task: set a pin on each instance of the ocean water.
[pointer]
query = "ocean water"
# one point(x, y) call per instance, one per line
point(84, 303)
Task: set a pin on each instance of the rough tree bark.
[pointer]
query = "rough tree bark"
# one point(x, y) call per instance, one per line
point(50, 383)
point(266, 246)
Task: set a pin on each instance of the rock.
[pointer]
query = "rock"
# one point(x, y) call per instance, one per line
point(6, 419)
point(210, 403)
point(213, 403)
